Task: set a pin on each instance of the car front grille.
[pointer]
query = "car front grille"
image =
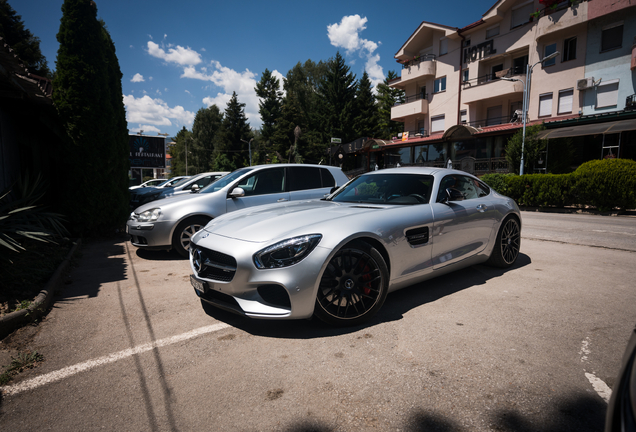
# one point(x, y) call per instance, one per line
point(215, 265)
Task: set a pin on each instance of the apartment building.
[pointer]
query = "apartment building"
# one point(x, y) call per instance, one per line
point(464, 87)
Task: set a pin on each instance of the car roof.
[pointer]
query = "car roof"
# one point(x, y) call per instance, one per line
point(418, 170)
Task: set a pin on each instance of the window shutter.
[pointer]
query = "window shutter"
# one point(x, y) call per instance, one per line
point(607, 95)
point(545, 105)
point(437, 124)
point(565, 101)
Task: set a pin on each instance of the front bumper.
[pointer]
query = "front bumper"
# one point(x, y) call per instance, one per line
point(285, 293)
point(150, 235)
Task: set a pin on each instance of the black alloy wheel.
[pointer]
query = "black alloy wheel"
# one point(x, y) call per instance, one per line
point(353, 287)
point(508, 243)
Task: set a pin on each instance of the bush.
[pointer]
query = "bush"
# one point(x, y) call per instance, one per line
point(607, 183)
point(604, 184)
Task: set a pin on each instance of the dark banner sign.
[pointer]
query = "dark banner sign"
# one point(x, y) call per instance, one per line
point(147, 152)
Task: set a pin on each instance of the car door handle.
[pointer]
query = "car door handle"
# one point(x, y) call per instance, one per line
point(482, 207)
point(282, 200)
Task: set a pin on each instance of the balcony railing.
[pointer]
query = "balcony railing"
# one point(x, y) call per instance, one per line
point(493, 121)
point(417, 60)
point(517, 70)
point(413, 98)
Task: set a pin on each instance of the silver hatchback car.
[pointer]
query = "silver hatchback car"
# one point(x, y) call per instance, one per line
point(171, 222)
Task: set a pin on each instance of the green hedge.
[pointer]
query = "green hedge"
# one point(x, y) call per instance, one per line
point(604, 184)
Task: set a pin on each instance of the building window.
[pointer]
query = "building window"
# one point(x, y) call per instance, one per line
point(443, 46)
point(519, 65)
point(569, 49)
point(612, 37)
point(493, 115)
point(549, 49)
point(437, 123)
point(565, 101)
point(465, 75)
point(607, 94)
point(492, 32)
point(521, 14)
point(494, 70)
point(463, 116)
point(545, 105)
point(440, 85)
point(466, 42)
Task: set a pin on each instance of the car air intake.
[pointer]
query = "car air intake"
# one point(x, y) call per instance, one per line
point(417, 236)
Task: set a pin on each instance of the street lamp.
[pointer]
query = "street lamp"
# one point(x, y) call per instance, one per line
point(526, 101)
point(249, 145)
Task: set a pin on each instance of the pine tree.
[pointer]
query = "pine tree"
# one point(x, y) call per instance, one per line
point(25, 45)
point(89, 102)
point(231, 152)
point(177, 152)
point(270, 105)
point(366, 121)
point(337, 91)
point(386, 98)
point(208, 123)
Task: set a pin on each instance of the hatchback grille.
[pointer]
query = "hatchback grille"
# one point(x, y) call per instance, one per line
point(216, 265)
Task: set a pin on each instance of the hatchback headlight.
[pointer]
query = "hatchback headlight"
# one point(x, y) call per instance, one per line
point(287, 252)
point(149, 215)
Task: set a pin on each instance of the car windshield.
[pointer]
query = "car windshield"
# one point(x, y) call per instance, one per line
point(163, 183)
point(225, 180)
point(393, 189)
point(182, 181)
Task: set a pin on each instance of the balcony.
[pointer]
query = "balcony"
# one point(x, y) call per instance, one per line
point(413, 105)
point(475, 90)
point(418, 69)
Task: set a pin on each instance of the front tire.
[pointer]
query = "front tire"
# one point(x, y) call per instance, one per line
point(353, 286)
point(183, 234)
point(507, 245)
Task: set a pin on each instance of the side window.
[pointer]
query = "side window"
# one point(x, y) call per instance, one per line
point(482, 189)
point(470, 188)
point(327, 178)
point(267, 181)
point(303, 178)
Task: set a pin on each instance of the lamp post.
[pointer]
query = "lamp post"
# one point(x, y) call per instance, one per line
point(526, 102)
point(249, 146)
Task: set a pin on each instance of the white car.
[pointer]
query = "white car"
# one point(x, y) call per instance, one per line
point(149, 183)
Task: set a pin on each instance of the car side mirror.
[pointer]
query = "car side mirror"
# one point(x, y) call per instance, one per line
point(333, 189)
point(195, 188)
point(237, 193)
point(453, 194)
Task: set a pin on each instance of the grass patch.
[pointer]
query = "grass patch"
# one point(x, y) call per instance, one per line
point(24, 274)
point(24, 360)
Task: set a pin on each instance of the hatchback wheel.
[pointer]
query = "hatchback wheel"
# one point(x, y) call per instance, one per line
point(183, 234)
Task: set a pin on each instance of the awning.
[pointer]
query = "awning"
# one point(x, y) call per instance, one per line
point(589, 129)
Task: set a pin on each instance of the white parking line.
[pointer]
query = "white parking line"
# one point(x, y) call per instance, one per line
point(90, 364)
point(598, 384)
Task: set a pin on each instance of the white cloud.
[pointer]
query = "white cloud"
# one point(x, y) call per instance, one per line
point(346, 35)
point(137, 78)
point(148, 111)
point(145, 128)
point(180, 55)
point(229, 80)
point(150, 78)
point(131, 47)
point(188, 92)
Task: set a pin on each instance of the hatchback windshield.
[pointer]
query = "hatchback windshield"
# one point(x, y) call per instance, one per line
point(225, 180)
point(395, 189)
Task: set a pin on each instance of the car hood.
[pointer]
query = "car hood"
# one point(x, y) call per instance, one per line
point(268, 222)
point(168, 201)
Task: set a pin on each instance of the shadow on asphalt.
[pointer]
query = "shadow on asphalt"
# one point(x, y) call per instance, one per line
point(579, 413)
point(100, 261)
point(158, 255)
point(396, 305)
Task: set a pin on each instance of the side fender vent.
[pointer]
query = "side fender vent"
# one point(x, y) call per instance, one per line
point(417, 236)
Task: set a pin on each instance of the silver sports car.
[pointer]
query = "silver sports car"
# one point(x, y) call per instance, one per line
point(339, 257)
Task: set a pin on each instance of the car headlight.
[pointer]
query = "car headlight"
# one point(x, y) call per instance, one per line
point(149, 215)
point(287, 252)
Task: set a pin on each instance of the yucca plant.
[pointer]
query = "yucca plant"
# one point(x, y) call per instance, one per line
point(23, 217)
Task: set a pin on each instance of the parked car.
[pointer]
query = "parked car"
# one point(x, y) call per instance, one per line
point(149, 183)
point(185, 186)
point(338, 258)
point(136, 194)
point(170, 223)
point(621, 411)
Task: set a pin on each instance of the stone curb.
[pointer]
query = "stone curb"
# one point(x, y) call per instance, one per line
point(576, 210)
point(14, 320)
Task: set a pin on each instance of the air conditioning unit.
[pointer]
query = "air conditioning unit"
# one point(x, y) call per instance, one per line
point(585, 83)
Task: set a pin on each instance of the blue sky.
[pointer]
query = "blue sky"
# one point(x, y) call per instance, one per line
point(178, 57)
